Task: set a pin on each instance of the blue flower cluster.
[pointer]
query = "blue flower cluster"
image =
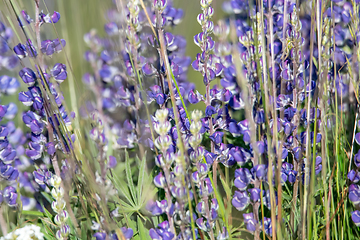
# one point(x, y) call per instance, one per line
point(276, 91)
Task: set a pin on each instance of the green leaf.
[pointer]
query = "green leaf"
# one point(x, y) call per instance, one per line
point(120, 184)
point(315, 62)
point(33, 213)
point(226, 187)
point(141, 177)
point(47, 213)
point(46, 230)
point(129, 177)
point(48, 197)
point(83, 230)
point(143, 232)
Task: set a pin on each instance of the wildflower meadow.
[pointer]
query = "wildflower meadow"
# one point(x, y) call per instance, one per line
point(179, 119)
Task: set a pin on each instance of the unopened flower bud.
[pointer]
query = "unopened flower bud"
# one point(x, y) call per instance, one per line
point(63, 233)
point(162, 128)
point(57, 193)
point(195, 127)
point(58, 206)
point(195, 140)
point(196, 115)
point(61, 218)
point(55, 181)
point(161, 115)
point(163, 142)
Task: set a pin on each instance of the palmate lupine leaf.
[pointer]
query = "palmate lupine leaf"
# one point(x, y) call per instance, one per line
point(141, 178)
point(129, 178)
point(143, 232)
point(83, 230)
point(124, 191)
point(46, 230)
point(135, 196)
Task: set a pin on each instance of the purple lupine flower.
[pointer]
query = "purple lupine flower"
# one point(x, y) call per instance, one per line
point(8, 85)
point(28, 76)
point(240, 200)
point(354, 176)
point(355, 216)
point(55, 17)
point(20, 50)
point(59, 72)
point(157, 95)
point(10, 196)
point(159, 180)
point(111, 28)
point(224, 235)
point(127, 233)
point(8, 172)
point(162, 232)
point(267, 226)
point(49, 47)
point(156, 208)
point(7, 154)
point(3, 110)
point(254, 194)
point(203, 224)
point(250, 221)
point(31, 49)
point(260, 171)
point(292, 176)
point(112, 162)
point(26, 17)
point(100, 236)
point(354, 194)
point(11, 111)
point(42, 177)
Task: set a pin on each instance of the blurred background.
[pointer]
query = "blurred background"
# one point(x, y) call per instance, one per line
point(79, 17)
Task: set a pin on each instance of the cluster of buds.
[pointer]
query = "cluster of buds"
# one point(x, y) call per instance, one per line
point(199, 177)
point(162, 127)
point(58, 206)
point(205, 62)
point(204, 18)
point(133, 27)
point(196, 138)
point(164, 179)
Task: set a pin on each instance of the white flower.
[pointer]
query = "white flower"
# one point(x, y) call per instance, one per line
point(29, 232)
point(55, 181)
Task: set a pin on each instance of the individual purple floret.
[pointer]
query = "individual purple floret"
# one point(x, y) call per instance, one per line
point(59, 72)
point(100, 236)
point(354, 194)
point(10, 196)
point(26, 17)
point(8, 172)
point(8, 85)
point(250, 222)
point(355, 216)
point(20, 50)
point(127, 233)
point(54, 18)
point(266, 224)
point(49, 47)
point(161, 233)
point(28, 76)
point(240, 200)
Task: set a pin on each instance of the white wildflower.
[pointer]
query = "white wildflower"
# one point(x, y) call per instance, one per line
point(29, 232)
